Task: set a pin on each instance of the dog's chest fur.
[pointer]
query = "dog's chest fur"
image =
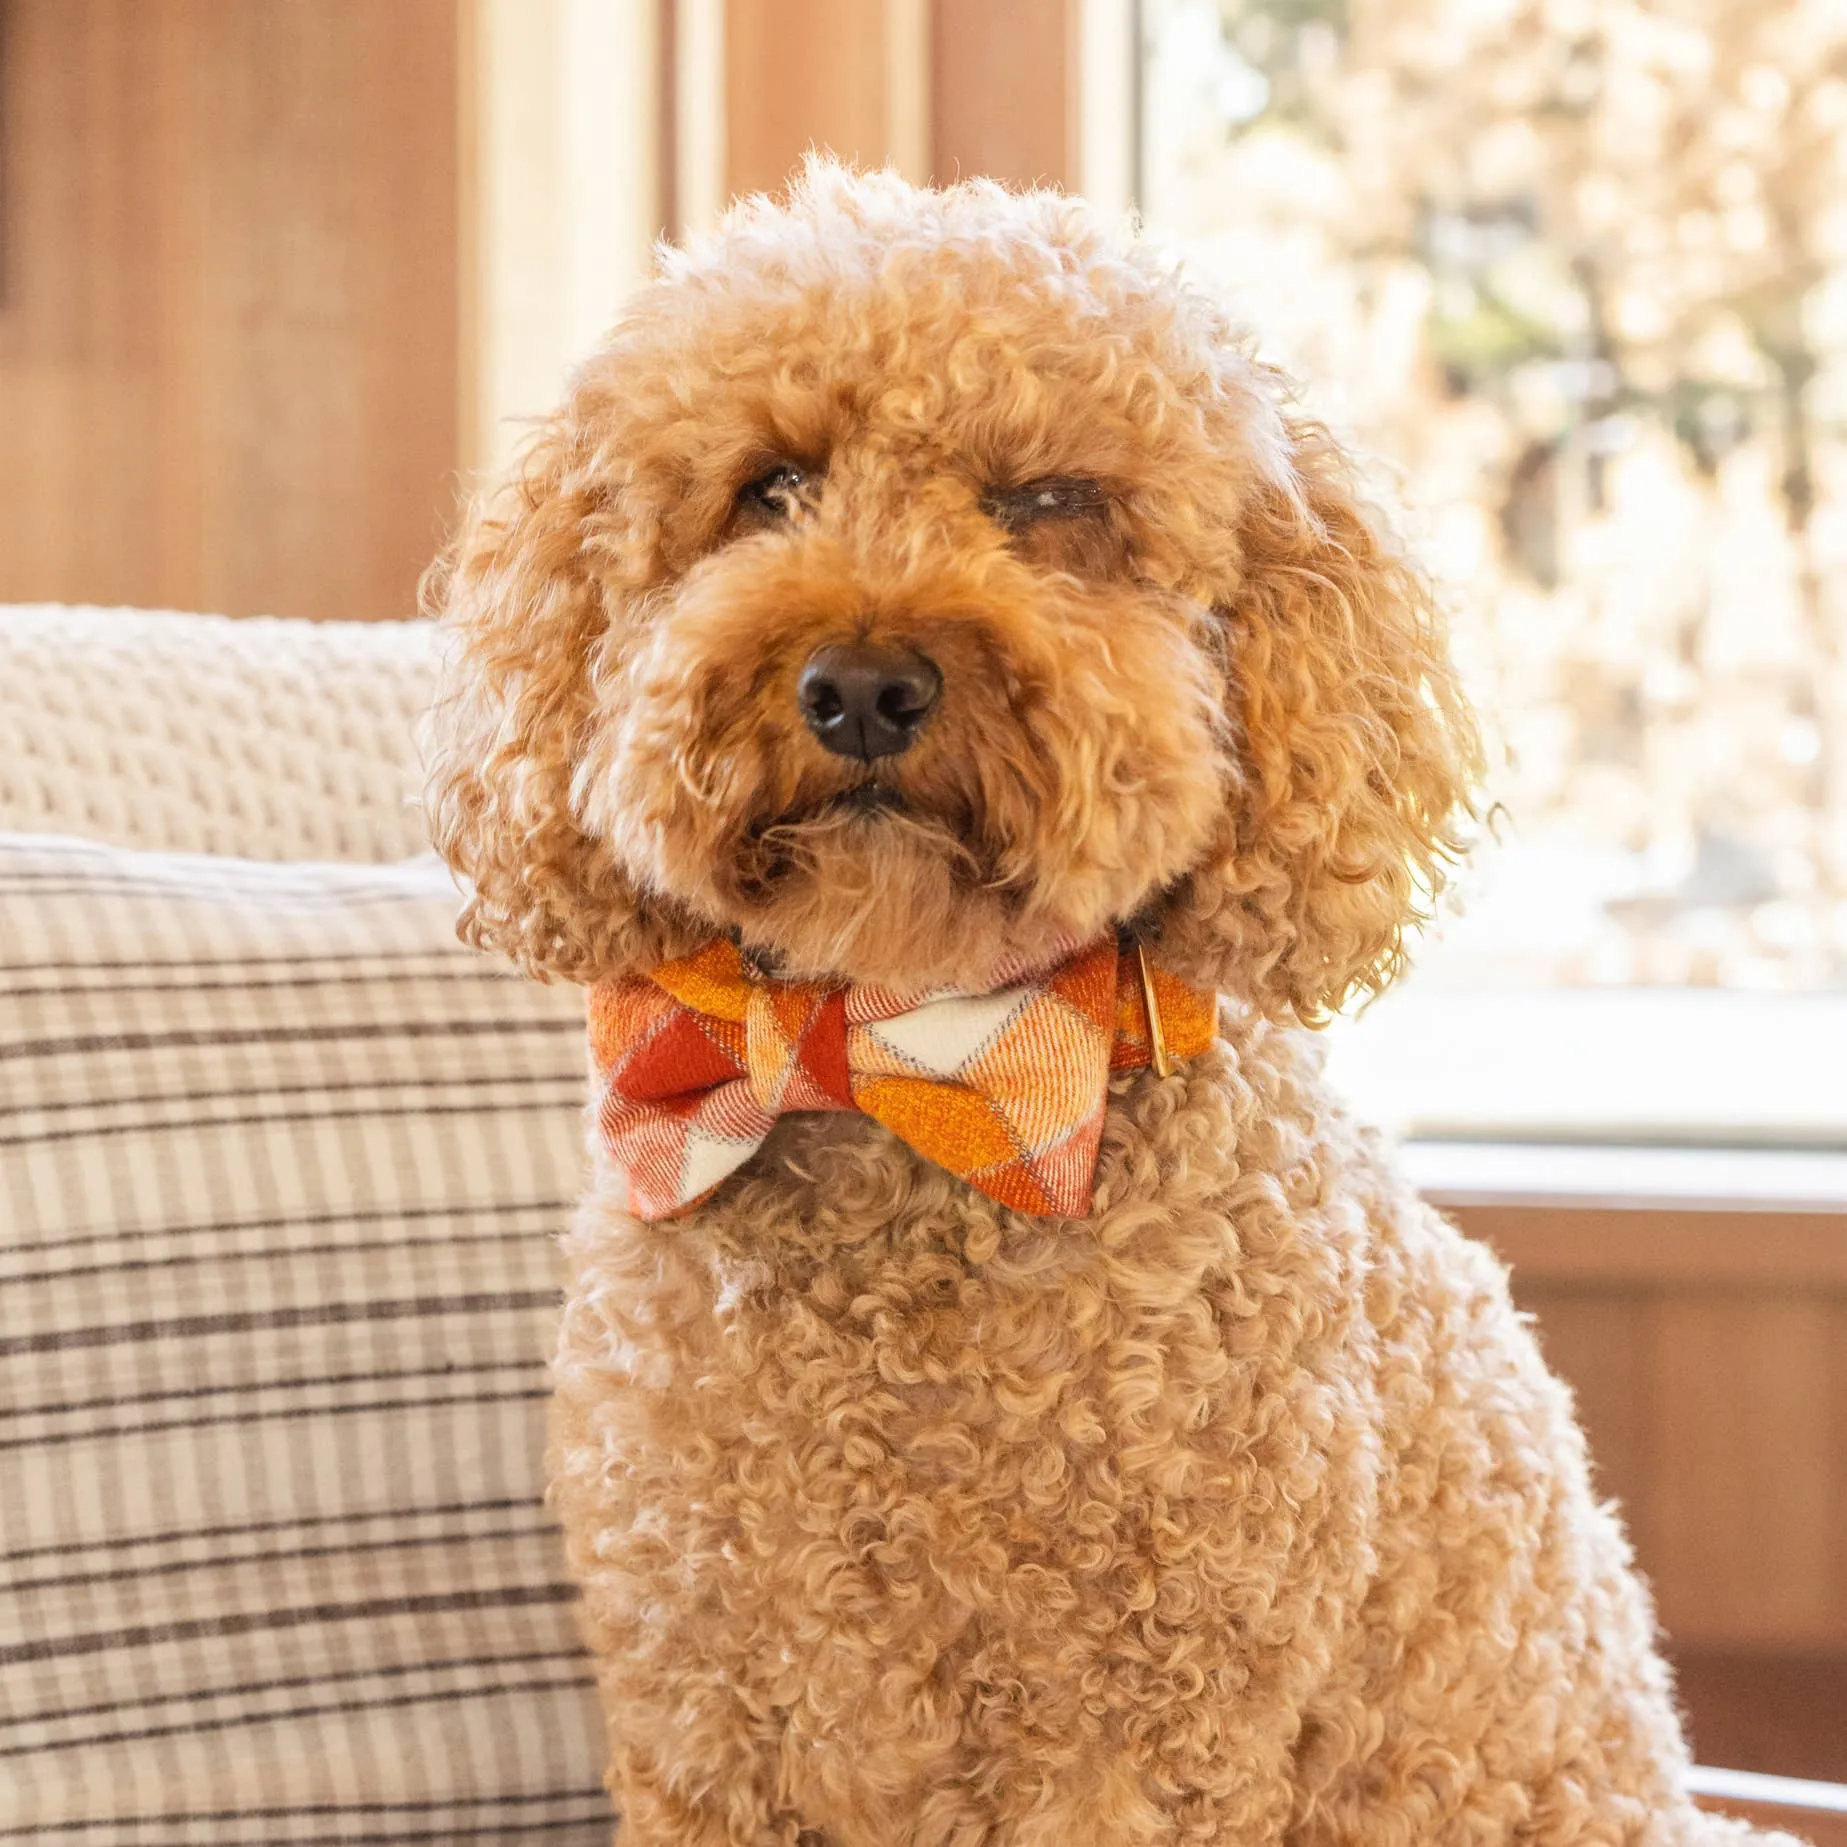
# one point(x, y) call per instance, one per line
point(1243, 1509)
point(861, 1457)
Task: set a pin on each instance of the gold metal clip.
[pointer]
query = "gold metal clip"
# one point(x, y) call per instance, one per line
point(1157, 1037)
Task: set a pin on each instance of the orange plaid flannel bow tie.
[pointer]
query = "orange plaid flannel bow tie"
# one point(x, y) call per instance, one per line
point(1005, 1089)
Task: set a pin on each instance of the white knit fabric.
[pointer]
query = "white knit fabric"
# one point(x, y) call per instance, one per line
point(258, 738)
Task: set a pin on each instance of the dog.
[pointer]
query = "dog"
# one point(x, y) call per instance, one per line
point(925, 608)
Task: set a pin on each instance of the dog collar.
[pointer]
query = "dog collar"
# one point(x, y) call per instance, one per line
point(1005, 1089)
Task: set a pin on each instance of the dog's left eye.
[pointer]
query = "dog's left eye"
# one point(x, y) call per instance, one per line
point(1050, 497)
point(776, 493)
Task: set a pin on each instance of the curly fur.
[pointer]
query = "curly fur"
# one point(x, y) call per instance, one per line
point(1243, 1510)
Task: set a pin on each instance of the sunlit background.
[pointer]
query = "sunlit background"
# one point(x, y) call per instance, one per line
point(1575, 273)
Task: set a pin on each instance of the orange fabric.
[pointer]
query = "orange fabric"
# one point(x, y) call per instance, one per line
point(1005, 1089)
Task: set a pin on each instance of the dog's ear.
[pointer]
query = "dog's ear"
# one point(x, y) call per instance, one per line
point(1357, 756)
point(523, 611)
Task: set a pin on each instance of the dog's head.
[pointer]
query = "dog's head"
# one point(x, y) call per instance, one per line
point(920, 579)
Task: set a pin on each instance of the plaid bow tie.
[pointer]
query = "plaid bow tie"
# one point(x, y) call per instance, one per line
point(1005, 1089)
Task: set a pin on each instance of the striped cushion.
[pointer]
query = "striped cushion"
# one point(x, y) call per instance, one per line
point(280, 1167)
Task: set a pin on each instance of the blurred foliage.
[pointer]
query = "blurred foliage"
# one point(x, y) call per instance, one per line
point(1579, 268)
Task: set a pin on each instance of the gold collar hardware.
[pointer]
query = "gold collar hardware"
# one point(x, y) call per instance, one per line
point(1158, 1057)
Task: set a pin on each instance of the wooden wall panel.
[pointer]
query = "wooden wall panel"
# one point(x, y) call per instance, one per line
point(991, 86)
point(1718, 1417)
point(1836, 1414)
point(1002, 99)
point(798, 74)
point(1744, 1541)
point(1708, 1353)
point(79, 322)
point(228, 358)
point(1777, 1714)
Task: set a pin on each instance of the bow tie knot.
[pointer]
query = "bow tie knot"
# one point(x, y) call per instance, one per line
point(795, 1048)
point(1006, 1088)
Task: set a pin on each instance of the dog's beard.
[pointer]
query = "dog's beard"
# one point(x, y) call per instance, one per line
point(919, 874)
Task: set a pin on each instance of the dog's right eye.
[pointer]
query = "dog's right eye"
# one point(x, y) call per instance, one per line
point(776, 493)
point(1051, 497)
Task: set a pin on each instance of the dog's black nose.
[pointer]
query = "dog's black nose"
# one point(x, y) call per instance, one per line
point(865, 701)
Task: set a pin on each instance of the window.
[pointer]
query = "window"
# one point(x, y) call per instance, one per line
point(1577, 271)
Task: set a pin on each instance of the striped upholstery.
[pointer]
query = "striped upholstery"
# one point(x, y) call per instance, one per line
point(280, 1167)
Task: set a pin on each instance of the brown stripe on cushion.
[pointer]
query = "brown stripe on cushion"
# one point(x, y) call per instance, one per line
point(283, 1168)
point(505, 1596)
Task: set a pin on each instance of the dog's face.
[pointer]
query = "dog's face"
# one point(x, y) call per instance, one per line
point(914, 583)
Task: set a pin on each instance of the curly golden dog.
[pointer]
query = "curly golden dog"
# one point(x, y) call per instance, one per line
point(915, 585)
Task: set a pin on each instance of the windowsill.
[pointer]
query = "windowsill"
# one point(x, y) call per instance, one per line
point(1626, 1068)
point(1686, 1217)
point(1541, 1176)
